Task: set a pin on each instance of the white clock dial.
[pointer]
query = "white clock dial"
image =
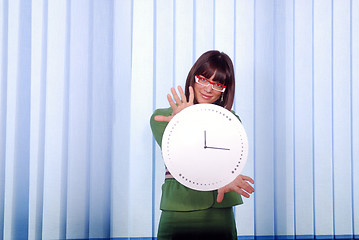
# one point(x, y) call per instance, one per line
point(205, 147)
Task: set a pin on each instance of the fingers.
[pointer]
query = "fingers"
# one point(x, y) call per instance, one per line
point(248, 188)
point(242, 182)
point(181, 99)
point(183, 96)
point(171, 102)
point(247, 179)
point(175, 96)
point(178, 103)
point(241, 192)
point(191, 95)
point(239, 185)
point(160, 118)
point(245, 186)
point(220, 195)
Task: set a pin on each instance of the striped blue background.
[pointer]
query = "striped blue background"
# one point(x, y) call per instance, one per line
point(80, 79)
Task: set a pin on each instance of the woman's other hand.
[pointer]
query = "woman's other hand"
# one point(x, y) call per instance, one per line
point(239, 185)
point(178, 104)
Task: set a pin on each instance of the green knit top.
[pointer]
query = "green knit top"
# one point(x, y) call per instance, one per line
point(175, 196)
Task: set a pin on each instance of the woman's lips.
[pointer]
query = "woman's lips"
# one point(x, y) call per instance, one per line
point(205, 96)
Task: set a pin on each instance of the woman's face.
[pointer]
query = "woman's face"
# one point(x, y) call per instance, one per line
point(206, 94)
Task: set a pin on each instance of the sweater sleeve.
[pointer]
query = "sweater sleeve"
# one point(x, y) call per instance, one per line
point(158, 128)
point(236, 116)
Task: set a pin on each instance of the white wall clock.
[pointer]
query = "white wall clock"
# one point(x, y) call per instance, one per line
point(205, 147)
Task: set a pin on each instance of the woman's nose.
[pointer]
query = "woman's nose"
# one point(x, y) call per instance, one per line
point(208, 88)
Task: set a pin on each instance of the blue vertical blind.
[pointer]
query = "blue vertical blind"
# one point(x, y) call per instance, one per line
point(79, 81)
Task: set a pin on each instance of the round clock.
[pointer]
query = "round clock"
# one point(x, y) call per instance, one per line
point(205, 147)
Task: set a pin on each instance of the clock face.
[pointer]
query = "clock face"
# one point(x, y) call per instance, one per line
point(205, 147)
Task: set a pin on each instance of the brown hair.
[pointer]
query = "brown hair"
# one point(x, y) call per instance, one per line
point(206, 65)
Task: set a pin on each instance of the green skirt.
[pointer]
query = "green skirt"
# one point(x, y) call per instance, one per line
point(213, 223)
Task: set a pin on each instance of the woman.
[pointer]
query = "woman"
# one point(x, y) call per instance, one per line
point(187, 213)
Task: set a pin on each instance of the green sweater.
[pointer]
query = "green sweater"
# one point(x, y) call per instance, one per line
point(175, 196)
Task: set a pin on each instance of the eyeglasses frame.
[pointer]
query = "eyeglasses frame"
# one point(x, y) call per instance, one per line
point(210, 82)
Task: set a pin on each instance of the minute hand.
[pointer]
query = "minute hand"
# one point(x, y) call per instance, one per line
point(217, 148)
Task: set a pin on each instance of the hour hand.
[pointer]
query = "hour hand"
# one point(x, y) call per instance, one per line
point(217, 148)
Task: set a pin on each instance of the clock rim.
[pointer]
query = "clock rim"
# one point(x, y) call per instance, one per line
point(225, 180)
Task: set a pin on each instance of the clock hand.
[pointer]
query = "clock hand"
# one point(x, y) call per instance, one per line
point(205, 144)
point(217, 148)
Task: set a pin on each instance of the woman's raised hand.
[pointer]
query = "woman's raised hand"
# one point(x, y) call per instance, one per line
point(178, 104)
point(239, 185)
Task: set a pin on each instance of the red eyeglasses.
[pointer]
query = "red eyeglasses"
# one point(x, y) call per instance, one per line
point(205, 82)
